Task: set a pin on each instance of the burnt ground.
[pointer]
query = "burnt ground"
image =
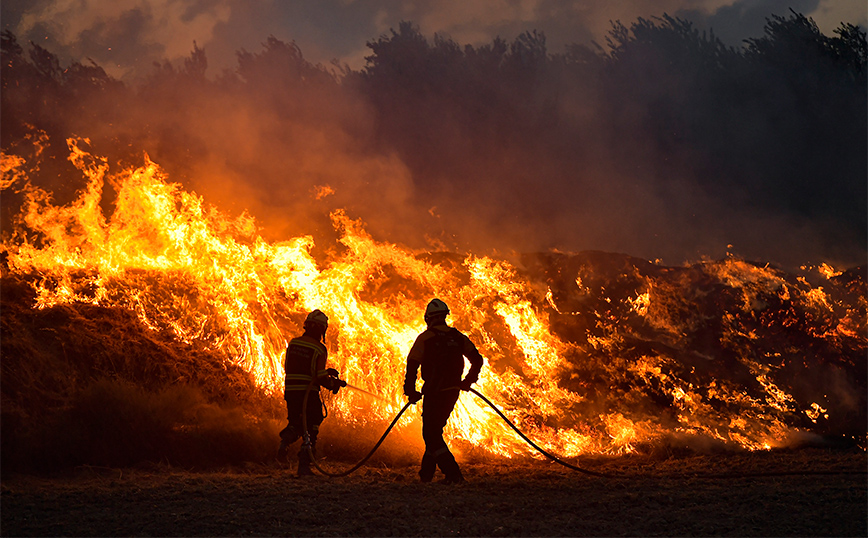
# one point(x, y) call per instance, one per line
point(748, 495)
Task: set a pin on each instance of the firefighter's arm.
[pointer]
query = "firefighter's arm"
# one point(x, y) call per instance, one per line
point(472, 354)
point(328, 377)
point(410, 382)
point(414, 360)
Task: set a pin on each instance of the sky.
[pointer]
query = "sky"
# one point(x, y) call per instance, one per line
point(126, 37)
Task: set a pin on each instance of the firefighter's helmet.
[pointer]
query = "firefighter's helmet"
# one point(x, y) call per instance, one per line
point(317, 319)
point(436, 308)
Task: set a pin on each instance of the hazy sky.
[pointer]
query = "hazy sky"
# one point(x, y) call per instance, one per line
point(127, 36)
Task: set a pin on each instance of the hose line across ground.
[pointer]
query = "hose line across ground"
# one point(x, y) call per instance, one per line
point(543, 451)
point(395, 421)
point(531, 443)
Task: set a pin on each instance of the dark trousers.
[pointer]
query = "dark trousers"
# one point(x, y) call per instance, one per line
point(436, 408)
point(295, 426)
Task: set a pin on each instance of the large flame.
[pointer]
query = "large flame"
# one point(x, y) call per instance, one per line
point(182, 265)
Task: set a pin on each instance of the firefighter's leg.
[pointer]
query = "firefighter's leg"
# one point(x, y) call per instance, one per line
point(304, 453)
point(293, 429)
point(435, 413)
point(314, 419)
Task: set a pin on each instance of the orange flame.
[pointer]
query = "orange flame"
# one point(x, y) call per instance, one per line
point(180, 264)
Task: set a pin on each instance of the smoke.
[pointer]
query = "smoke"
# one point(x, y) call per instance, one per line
point(287, 168)
point(126, 36)
point(652, 150)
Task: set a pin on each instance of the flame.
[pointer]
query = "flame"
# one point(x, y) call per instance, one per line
point(828, 271)
point(321, 191)
point(181, 265)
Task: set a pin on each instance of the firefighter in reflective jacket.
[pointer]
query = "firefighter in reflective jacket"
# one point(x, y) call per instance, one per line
point(306, 367)
point(440, 350)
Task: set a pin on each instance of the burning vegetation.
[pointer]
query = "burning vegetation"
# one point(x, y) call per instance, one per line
point(144, 321)
point(590, 353)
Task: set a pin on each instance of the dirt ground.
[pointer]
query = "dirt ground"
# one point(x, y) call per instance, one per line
point(719, 495)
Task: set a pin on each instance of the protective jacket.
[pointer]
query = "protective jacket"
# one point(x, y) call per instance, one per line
point(305, 361)
point(441, 350)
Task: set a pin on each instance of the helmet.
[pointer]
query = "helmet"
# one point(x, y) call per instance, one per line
point(436, 308)
point(317, 318)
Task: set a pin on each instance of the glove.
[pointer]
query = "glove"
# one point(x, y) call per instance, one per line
point(338, 383)
point(414, 396)
point(409, 388)
point(465, 385)
point(331, 381)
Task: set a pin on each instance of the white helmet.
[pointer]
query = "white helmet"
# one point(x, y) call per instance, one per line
point(435, 309)
point(317, 318)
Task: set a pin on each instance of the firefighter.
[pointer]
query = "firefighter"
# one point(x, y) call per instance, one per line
point(306, 367)
point(440, 350)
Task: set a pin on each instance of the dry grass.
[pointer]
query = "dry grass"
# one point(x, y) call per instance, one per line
point(518, 498)
point(90, 385)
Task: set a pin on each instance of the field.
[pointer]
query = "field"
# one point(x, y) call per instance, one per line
point(807, 492)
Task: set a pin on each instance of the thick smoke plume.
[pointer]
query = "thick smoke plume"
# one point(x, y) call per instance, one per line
point(665, 144)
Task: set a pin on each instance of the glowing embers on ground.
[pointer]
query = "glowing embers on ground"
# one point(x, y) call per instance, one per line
point(612, 372)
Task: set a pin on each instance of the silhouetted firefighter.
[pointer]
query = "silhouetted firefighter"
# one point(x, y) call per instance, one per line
point(306, 372)
point(440, 350)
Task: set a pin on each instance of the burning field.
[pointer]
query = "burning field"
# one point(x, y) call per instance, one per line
point(148, 298)
point(161, 326)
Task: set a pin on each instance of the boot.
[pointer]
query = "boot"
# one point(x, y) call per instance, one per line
point(304, 468)
point(429, 466)
point(454, 477)
point(449, 466)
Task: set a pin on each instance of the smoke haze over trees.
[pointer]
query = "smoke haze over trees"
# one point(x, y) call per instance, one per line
point(662, 143)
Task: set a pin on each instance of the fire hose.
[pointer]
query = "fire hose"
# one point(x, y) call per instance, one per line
point(306, 446)
point(531, 443)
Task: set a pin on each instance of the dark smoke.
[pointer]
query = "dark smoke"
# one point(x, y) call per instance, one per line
point(664, 143)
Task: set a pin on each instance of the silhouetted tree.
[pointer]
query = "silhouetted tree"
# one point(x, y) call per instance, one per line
point(197, 63)
point(851, 49)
